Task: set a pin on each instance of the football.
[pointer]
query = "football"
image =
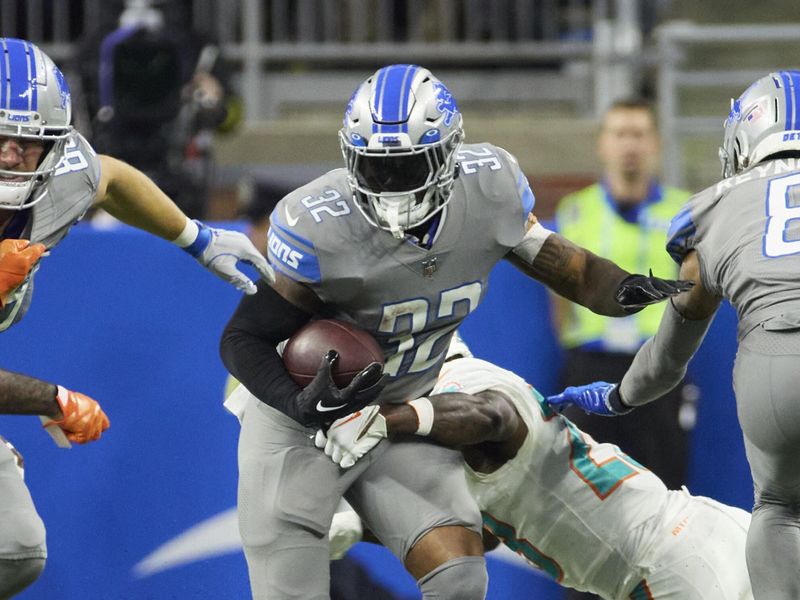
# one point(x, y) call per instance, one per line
point(304, 351)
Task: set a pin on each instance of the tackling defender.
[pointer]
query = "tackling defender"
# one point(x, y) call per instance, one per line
point(401, 243)
point(583, 512)
point(740, 240)
point(49, 177)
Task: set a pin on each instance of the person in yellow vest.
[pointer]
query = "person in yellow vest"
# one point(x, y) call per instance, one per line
point(625, 217)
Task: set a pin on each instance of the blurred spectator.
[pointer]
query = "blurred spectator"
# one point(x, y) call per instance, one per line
point(625, 217)
point(155, 92)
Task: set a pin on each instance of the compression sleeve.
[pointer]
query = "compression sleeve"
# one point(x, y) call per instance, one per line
point(660, 364)
point(248, 347)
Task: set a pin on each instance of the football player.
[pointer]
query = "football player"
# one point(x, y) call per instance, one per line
point(400, 242)
point(740, 240)
point(583, 512)
point(49, 177)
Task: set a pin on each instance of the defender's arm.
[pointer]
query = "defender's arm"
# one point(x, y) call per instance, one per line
point(457, 419)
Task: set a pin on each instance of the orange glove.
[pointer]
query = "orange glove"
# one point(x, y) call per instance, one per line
point(83, 419)
point(17, 258)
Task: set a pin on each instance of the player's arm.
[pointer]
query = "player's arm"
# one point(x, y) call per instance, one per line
point(660, 364)
point(79, 416)
point(583, 277)
point(450, 419)
point(248, 349)
point(129, 195)
point(454, 419)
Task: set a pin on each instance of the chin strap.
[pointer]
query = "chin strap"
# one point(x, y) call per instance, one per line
point(392, 216)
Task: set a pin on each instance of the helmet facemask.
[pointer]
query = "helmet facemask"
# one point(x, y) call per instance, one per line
point(401, 188)
point(21, 190)
point(402, 130)
point(38, 108)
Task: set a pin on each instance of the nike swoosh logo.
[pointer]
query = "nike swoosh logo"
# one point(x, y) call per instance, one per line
point(322, 408)
point(292, 221)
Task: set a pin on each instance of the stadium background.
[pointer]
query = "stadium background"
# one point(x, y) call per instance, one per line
point(133, 322)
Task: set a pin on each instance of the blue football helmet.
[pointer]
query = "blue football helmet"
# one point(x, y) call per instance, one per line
point(402, 130)
point(34, 104)
point(763, 121)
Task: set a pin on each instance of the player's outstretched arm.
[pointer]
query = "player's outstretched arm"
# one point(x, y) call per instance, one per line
point(79, 416)
point(133, 198)
point(660, 364)
point(583, 277)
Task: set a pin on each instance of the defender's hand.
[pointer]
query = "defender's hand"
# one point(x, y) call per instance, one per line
point(219, 251)
point(637, 291)
point(351, 437)
point(322, 402)
point(346, 530)
point(83, 421)
point(599, 398)
point(17, 259)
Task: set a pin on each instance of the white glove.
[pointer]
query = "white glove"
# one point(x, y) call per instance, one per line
point(346, 531)
point(218, 250)
point(351, 437)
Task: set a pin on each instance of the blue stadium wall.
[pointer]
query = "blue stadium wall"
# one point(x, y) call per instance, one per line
point(135, 323)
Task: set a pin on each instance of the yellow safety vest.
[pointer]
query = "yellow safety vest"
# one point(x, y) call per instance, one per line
point(589, 219)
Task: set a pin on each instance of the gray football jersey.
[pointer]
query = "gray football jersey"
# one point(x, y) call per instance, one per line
point(746, 231)
point(409, 297)
point(68, 194)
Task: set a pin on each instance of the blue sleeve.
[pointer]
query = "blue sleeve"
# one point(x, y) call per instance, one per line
point(681, 235)
point(525, 194)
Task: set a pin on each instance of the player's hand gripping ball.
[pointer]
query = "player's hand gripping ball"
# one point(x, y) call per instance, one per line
point(339, 366)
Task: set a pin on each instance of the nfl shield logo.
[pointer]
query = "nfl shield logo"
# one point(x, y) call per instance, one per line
point(429, 267)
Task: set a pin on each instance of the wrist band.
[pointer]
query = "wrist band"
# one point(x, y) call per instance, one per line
point(424, 409)
point(188, 235)
point(194, 238)
point(615, 403)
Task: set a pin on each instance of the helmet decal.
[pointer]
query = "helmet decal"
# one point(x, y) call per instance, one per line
point(445, 103)
point(763, 121)
point(63, 88)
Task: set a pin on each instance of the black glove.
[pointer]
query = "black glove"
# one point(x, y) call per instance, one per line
point(322, 402)
point(637, 291)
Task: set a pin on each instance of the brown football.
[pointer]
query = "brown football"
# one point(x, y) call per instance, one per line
point(304, 351)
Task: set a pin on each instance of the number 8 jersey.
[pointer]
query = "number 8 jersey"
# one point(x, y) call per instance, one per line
point(746, 231)
point(410, 294)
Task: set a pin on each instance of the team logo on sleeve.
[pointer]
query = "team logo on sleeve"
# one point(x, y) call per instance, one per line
point(284, 252)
